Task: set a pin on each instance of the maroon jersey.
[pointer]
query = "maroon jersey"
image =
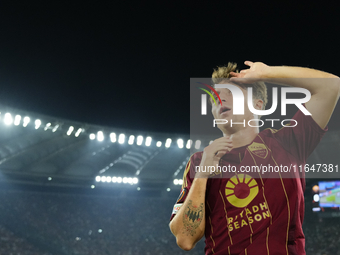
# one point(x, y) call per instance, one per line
point(255, 213)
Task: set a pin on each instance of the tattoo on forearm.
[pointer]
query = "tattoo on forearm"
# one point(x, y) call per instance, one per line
point(192, 218)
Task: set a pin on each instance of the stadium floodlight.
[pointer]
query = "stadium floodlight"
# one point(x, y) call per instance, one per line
point(168, 143)
point(37, 123)
point(93, 186)
point(135, 180)
point(180, 143)
point(180, 182)
point(97, 178)
point(138, 188)
point(131, 139)
point(114, 179)
point(148, 141)
point(197, 144)
point(125, 180)
point(175, 181)
point(49, 178)
point(55, 128)
point(26, 121)
point(47, 126)
point(113, 137)
point(189, 143)
point(8, 120)
point(168, 189)
point(78, 132)
point(139, 140)
point(129, 180)
point(108, 178)
point(100, 230)
point(316, 198)
point(100, 136)
point(17, 120)
point(103, 178)
point(92, 136)
point(121, 138)
point(159, 144)
point(70, 130)
point(119, 179)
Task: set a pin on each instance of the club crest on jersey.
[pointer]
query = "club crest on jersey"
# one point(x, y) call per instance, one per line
point(258, 149)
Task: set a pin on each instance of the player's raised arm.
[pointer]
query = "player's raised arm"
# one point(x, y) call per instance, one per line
point(188, 226)
point(324, 87)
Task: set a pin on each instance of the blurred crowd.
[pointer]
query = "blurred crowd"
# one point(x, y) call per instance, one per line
point(40, 223)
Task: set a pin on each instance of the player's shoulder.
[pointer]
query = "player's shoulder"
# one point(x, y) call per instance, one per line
point(196, 157)
point(272, 131)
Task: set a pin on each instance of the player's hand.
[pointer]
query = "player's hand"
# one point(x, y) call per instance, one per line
point(213, 153)
point(255, 73)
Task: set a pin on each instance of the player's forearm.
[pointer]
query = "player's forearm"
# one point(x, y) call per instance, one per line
point(189, 223)
point(311, 79)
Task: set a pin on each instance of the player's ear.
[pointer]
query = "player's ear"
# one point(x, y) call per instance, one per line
point(258, 104)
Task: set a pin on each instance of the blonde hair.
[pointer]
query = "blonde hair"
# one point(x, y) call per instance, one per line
point(221, 73)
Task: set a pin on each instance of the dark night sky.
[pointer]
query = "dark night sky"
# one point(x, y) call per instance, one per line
point(128, 64)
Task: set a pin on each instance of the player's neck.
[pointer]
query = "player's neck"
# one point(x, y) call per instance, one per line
point(242, 136)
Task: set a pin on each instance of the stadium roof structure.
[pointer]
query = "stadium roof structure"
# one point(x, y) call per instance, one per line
point(39, 149)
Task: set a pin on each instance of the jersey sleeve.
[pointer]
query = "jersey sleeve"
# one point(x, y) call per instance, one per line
point(189, 172)
point(301, 136)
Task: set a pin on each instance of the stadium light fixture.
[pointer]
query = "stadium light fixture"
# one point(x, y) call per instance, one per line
point(100, 136)
point(159, 144)
point(131, 139)
point(113, 137)
point(47, 126)
point(17, 120)
point(103, 179)
point(168, 189)
point(168, 143)
point(37, 123)
point(114, 179)
point(180, 143)
point(175, 181)
point(55, 128)
point(70, 130)
point(97, 178)
point(138, 188)
point(148, 141)
point(8, 120)
point(92, 136)
point(197, 144)
point(26, 121)
point(108, 179)
point(78, 132)
point(139, 140)
point(135, 180)
point(93, 186)
point(121, 138)
point(119, 179)
point(189, 143)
